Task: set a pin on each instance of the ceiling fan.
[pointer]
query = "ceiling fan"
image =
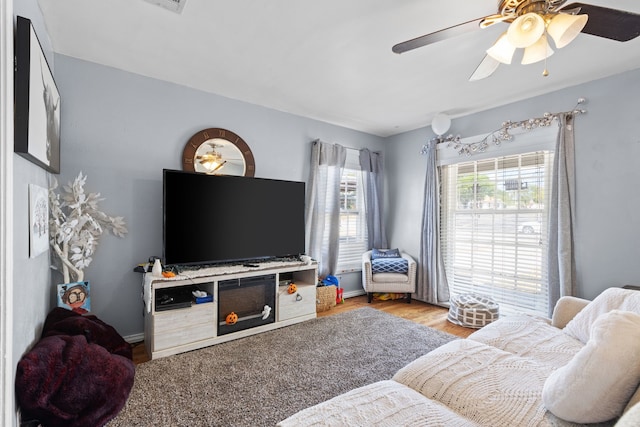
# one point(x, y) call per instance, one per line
point(532, 23)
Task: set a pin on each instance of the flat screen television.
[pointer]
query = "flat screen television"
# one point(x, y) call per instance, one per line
point(211, 219)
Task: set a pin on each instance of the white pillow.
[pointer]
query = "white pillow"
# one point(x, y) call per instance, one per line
point(635, 400)
point(597, 383)
point(611, 299)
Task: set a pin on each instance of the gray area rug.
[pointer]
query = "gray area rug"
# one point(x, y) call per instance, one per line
point(262, 379)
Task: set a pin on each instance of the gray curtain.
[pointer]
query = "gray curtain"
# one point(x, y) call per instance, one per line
point(432, 286)
point(561, 260)
point(322, 220)
point(372, 166)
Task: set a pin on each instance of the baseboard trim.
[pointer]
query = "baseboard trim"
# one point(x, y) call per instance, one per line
point(135, 338)
point(352, 294)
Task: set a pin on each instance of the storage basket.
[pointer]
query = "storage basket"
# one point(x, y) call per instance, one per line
point(325, 298)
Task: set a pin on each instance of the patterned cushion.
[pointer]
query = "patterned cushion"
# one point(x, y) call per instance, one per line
point(472, 311)
point(389, 265)
point(385, 253)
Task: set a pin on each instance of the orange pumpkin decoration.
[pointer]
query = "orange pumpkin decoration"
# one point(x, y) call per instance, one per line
point(232, 318)
point(292, 289)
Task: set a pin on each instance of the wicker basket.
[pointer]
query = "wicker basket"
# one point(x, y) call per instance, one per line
point(325, 298)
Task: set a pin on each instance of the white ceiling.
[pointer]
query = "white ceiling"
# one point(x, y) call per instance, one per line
point(329, 60)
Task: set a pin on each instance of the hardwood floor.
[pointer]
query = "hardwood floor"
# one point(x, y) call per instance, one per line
point(418, 311)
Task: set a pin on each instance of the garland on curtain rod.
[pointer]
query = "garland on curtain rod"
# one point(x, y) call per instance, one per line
point(501, 134)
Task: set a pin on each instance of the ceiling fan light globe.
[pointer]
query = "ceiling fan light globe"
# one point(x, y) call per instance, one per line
point(563, 28)
point(537, 52)
point(502, 50)
point(526, 30)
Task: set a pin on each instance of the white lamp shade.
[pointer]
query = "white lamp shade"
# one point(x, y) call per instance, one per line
point(537, 52)
point(526, 30)
point(563, 28)
point(440, 123)
point(502, 50)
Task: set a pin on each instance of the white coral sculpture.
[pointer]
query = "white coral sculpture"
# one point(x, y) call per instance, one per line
point(76, 225)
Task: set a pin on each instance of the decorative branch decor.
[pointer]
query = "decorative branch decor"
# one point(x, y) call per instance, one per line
point(502, 134)
point(76, 225)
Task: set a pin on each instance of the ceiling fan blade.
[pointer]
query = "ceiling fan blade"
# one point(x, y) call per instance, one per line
point(486, 67)
point(611, 24)
point(437, 36)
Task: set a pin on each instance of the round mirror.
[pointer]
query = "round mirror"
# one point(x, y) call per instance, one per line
point(218, 151)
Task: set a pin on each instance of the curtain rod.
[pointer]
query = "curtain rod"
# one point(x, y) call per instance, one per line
point(344, 146)
point(502, 133)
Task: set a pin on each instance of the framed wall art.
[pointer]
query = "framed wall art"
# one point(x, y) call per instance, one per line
point(38, 220)
point(37, 102)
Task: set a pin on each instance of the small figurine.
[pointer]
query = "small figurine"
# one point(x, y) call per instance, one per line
point(265, 312)
point(232, 318)
point(75, 296)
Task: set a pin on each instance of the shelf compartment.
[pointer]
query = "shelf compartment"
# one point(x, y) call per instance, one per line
point(300, 303)
point(182, 326)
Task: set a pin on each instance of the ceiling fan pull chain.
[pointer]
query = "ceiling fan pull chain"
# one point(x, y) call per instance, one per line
point(545, 72)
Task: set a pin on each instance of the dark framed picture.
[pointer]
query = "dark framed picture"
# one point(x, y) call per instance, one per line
point(37, 102)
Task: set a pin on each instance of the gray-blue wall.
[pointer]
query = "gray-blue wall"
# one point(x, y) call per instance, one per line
point(607, 168)
point(31, 288)
point(122, 129)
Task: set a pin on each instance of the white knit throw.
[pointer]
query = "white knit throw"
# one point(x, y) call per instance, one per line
point(482, 383)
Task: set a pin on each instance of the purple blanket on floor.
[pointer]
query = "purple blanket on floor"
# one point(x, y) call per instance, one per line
point(80, 373)
point(65, 322)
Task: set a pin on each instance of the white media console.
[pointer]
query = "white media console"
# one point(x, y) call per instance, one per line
point(172, 330)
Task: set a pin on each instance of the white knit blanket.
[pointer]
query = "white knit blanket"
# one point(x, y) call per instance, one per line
point(530, 337)
point(484, 384)
point(224, 269)
point(381, 404)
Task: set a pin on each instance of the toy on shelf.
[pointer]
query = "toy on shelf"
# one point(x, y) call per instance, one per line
point(266, 311)
point(231, 318)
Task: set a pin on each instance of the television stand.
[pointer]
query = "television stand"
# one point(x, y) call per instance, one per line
point(192, 326)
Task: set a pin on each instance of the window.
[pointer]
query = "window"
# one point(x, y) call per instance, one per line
point(353, 224)
point(493, 229)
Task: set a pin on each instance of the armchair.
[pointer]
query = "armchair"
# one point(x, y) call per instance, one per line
point(388, 281)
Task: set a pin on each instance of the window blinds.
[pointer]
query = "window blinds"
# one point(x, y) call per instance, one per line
point(353, 224)
point(494, 229)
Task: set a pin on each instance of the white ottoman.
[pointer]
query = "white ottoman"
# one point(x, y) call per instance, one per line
point(473, 310)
